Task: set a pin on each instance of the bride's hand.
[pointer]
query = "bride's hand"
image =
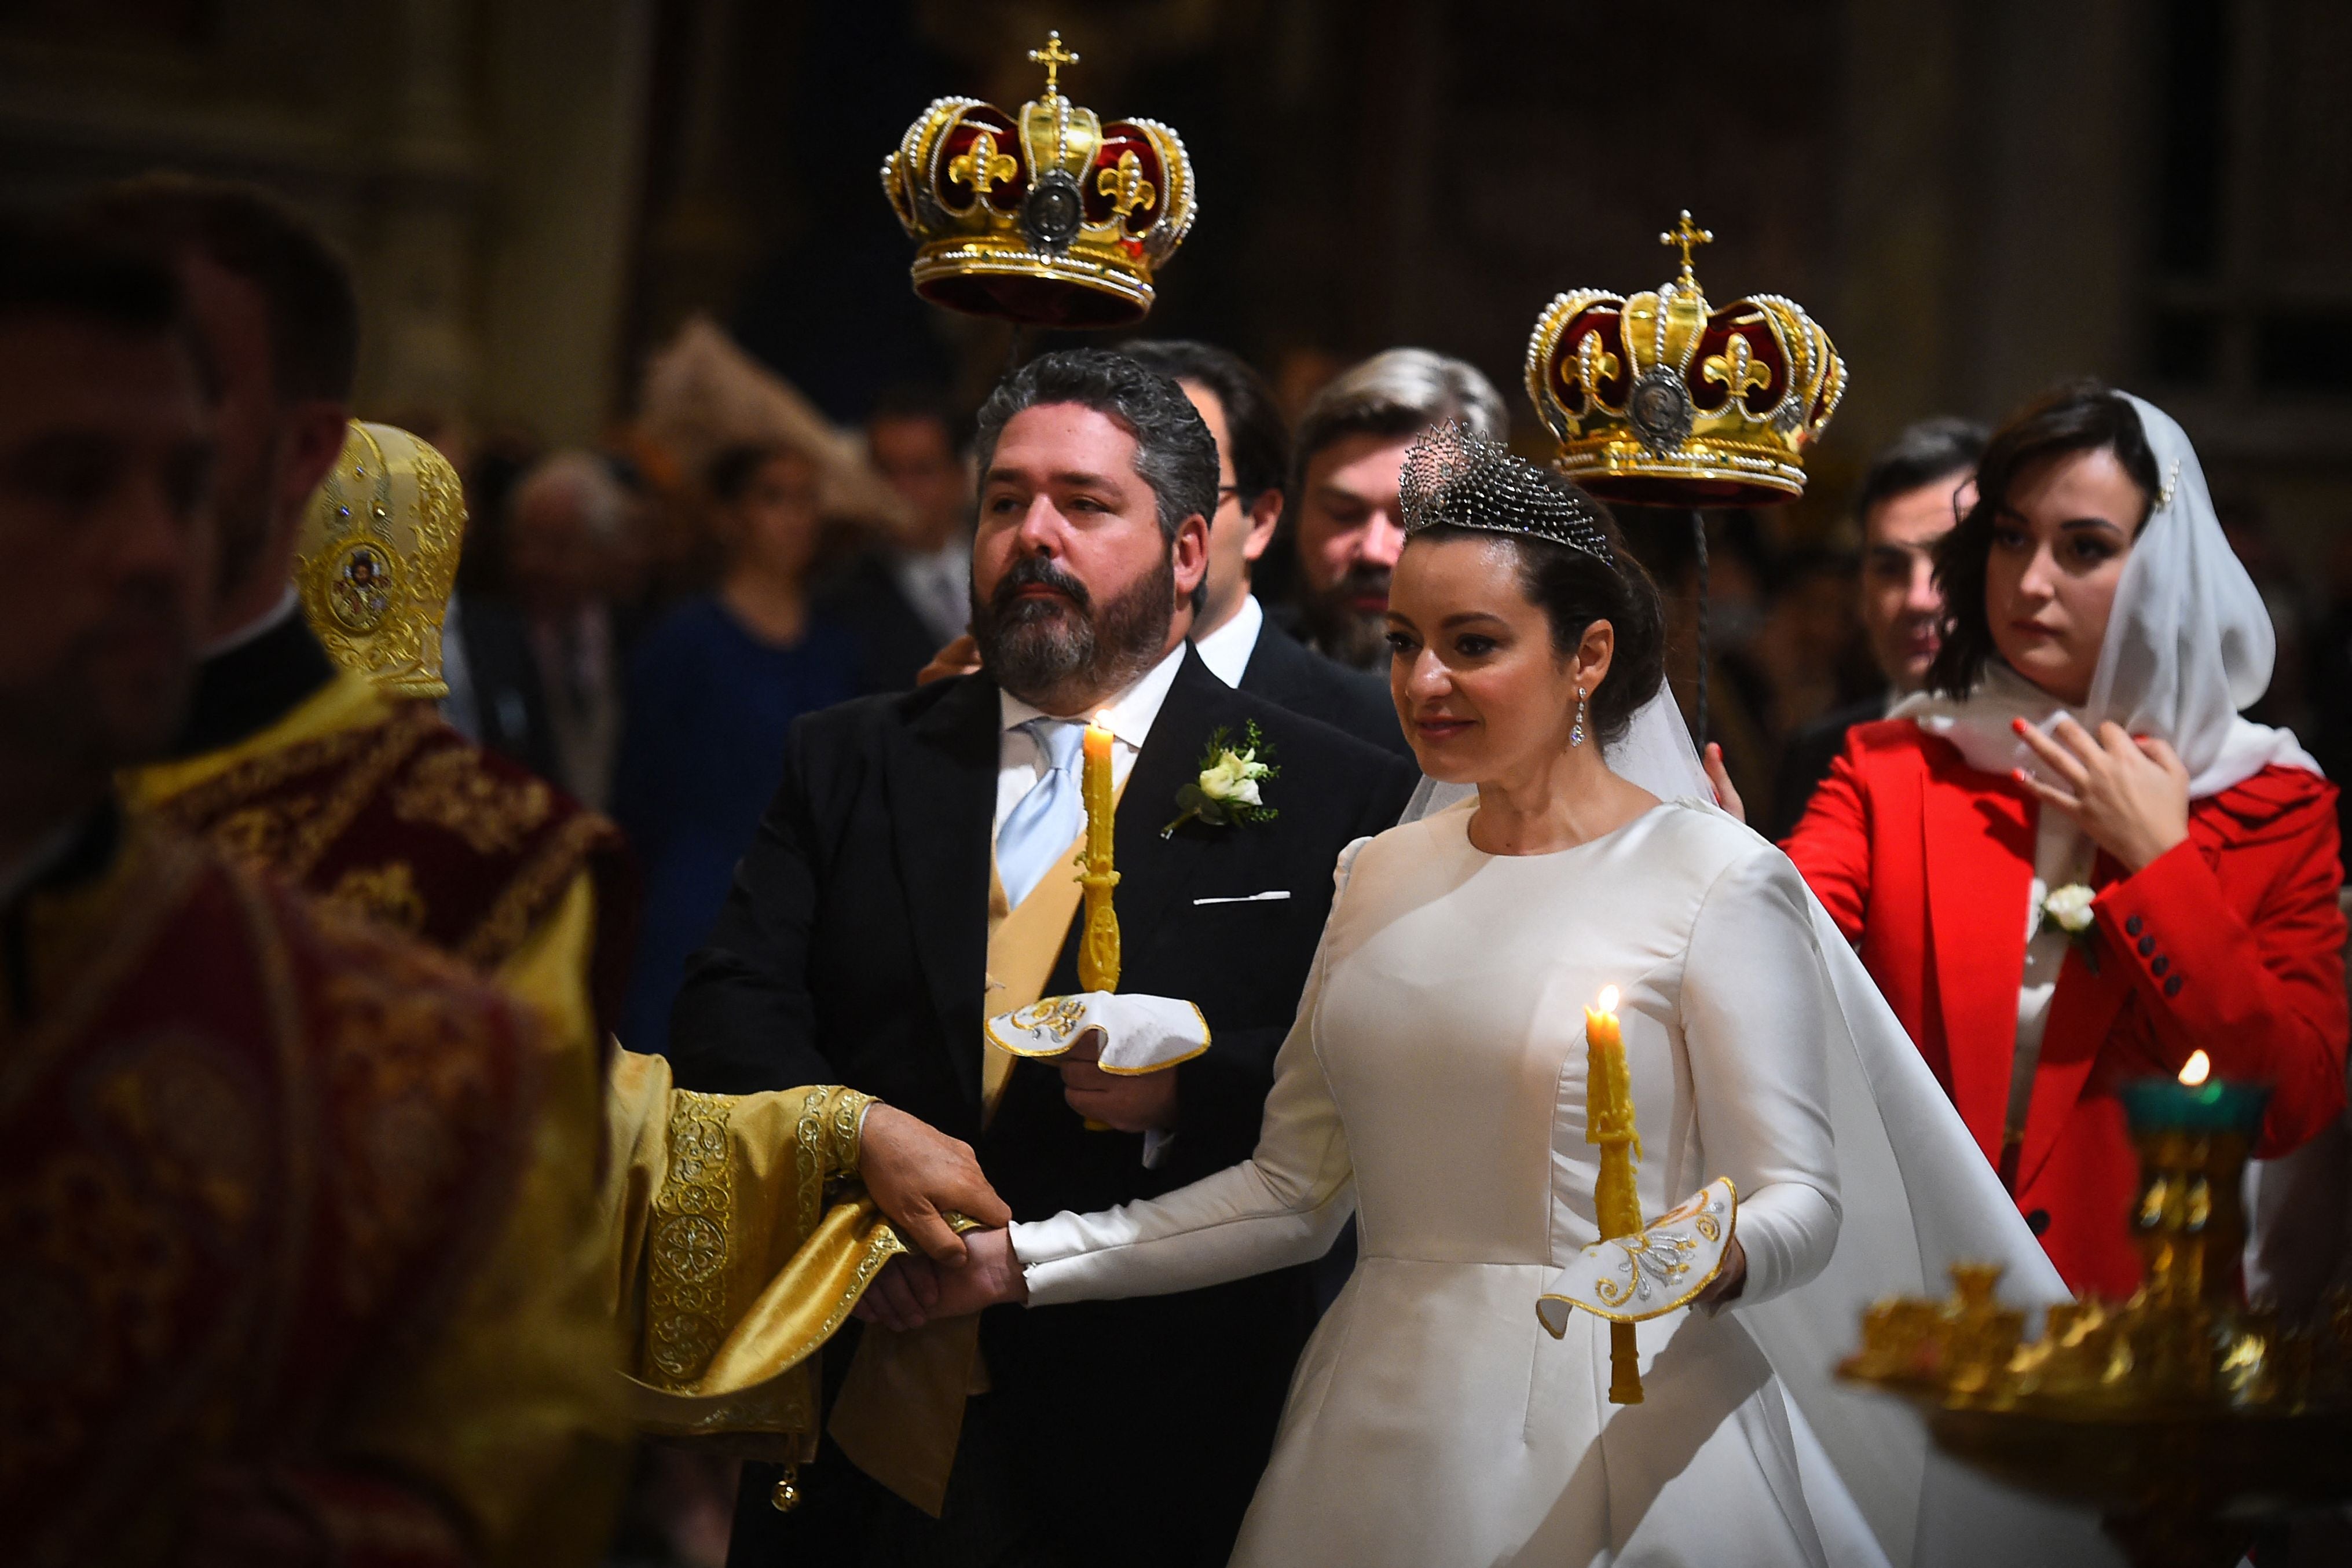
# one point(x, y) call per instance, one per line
point(1729, 1281)
point(991, 1277)
point(911, 1291)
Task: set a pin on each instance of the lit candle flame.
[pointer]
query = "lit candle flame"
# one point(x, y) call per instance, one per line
point(1608, 1003)
point(2198, 1068)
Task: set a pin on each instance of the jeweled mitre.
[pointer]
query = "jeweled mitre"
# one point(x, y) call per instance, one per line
point(1662, 399)
point(1050, 217)
point(379, 556)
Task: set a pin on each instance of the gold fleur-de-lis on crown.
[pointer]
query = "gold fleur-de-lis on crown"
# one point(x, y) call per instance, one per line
point(1686, 235)
point(1125, 185)
point(981, 164)
point(1735, 369)
point(1054, 56)
point(1594, 363)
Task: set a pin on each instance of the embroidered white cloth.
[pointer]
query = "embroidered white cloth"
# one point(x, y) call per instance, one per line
point(1140, 1034)
point(1632, 1279)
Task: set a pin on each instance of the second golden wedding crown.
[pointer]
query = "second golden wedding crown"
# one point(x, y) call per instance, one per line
point(1664, 400)
point(1050, 217)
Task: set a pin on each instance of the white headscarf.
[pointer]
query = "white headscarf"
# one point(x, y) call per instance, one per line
point(2188, 645)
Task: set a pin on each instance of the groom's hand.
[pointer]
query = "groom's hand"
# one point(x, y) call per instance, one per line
point(916, 1172)
point(1131, 1102)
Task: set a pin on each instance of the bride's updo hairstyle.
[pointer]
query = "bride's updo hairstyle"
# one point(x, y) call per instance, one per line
point(1573, 567)
point(2081, 417)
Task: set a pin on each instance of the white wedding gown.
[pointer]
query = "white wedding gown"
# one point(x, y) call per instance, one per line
point(1435, 1085)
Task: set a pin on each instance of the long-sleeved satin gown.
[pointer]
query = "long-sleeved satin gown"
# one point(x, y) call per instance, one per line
point(1435, 1082)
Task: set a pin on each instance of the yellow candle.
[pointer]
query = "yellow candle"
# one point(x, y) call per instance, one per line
point(1616, 1200)
point(1098, 949)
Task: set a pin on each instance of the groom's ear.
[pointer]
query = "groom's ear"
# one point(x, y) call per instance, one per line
point(1188, 553)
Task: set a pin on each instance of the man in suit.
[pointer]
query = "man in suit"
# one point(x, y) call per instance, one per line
point(1346, 521)
point(1910, 494)
point(906, 599)
point(877, 918)
point(1241, 647)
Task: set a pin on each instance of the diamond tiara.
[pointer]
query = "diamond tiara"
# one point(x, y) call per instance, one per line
point(1452, 477)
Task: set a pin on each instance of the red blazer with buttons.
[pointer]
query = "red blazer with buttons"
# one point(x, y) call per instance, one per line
point(2231, 942)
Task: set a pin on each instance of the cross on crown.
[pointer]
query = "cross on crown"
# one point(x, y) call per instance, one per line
point(1054, 56)
point(1684, 234)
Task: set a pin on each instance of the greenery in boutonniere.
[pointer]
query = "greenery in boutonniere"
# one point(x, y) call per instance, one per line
point(1226, 791)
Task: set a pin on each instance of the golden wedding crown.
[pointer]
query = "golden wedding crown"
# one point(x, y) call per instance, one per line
point(379, 556)
point(1660, 400)
point(1051, 217)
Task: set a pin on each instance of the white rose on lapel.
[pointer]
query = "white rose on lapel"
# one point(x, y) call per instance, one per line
point(1226, 789)
point(2069, 909)
point(2070, 906)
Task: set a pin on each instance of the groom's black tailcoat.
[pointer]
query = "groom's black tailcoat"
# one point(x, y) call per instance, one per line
point(853, 949)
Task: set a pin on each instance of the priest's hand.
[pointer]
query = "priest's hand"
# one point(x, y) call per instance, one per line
point(2131, 796)
point(1131, 1102)
point(916, 1173)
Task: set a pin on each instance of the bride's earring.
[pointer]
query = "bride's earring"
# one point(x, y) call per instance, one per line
point(1576, 731)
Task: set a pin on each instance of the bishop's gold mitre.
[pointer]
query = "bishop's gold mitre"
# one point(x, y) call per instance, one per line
point(379, 556)
point(1664, 400)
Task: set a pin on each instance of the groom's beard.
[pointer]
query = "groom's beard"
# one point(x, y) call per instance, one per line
point(1037, 648)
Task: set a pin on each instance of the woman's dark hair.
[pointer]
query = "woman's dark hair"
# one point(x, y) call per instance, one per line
point(730, 473)
point(1574, 588)
point(2081, 417)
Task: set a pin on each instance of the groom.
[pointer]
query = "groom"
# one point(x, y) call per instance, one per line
point(912, 876)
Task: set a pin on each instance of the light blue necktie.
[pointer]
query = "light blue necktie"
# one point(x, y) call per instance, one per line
point(1044, 823)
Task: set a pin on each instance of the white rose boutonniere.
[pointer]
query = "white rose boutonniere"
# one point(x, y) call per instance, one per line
point(2069, 909)
point(1226, 789)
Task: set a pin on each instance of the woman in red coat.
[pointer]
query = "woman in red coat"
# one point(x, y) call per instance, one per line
point(2080, 760)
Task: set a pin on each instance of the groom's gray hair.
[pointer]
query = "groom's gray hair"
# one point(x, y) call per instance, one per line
point(1174, 453)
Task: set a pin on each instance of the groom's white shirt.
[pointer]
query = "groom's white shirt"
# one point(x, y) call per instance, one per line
point(1020, 765)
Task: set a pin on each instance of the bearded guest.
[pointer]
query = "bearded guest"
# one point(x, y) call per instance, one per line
point(913, 876)
point(1911, 494)
point(1346, 524)
point(399, 816)
point(1241, 647)
point(2070, 863)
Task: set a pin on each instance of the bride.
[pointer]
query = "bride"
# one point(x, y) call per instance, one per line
point(1435, 1085)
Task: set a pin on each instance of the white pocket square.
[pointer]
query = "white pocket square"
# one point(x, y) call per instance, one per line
point(1269, 896)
